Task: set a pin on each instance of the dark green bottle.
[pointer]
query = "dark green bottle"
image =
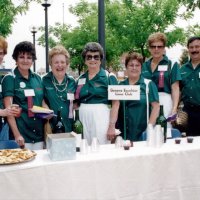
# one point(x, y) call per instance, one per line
point(78, 126)
point(59, 126)
point(161, 120)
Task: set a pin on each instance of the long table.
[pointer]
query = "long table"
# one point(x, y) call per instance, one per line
point(171, 172)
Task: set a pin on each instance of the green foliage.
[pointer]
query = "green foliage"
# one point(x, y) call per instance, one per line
point(191, 4)
point(193, 31)
point(6, 19)
point(128, 25)
point(138, 19)
point(184, 57)
point(8, 12)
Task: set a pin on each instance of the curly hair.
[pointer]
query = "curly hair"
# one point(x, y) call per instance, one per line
point(59, 49)
point(24, 47)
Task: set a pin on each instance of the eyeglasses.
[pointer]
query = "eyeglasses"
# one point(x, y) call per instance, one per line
point(156, 47)
point(95, 57)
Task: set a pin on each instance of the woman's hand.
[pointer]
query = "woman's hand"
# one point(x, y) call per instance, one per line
point(174, 111)
point(14, 111)
point(111, 133)
point(75, 105)
point(10, 111)
point(20, 140)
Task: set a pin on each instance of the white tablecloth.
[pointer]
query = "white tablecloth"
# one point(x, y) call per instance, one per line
point(171, 172)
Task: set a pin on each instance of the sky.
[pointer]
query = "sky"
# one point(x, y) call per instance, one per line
point(35, 16)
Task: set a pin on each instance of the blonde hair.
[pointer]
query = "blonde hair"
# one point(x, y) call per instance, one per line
point(59, 49)
point(3, 44)
point(157, 37)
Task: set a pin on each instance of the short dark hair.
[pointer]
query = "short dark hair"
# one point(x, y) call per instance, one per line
point(24, 47)
point(93, 47)
point(133, 56)
point(191, 39)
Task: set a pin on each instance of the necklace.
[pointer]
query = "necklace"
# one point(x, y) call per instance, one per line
point(57, 84)
point(54, 80)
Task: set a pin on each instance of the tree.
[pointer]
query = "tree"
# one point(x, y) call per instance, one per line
point(184, 57)
point(8, 12)
point(136, 21)
point(191, 4)
point(128, 25)
point(193, 30)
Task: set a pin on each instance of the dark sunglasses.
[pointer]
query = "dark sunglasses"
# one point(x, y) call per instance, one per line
point(95, 57)
point(156, 47)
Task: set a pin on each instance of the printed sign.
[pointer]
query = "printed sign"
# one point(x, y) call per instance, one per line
point(124, 92)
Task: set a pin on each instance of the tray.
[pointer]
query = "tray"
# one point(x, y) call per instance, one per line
point(14, 156)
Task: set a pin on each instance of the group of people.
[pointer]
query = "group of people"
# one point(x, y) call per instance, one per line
point(161, 82)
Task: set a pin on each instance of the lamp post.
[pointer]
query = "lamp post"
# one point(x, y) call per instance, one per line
point(33, 30)
point(101, 27)
point(46, 4)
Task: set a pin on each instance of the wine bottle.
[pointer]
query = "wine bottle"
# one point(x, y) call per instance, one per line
point(161, 120)
point(59, 126)
point(78, 126)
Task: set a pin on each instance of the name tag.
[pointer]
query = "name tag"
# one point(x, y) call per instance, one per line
point(199, 74)
point(81, 81)
point(0, 88)
point(70, 96)
point(29, 93)
point(162, 68)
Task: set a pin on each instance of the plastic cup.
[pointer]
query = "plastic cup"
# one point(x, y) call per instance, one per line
point(95, 145)
point(16, 106)
point(84, 146)
point(189, 139)
point(177, 141)
point(127, 144)
point(118, 142)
